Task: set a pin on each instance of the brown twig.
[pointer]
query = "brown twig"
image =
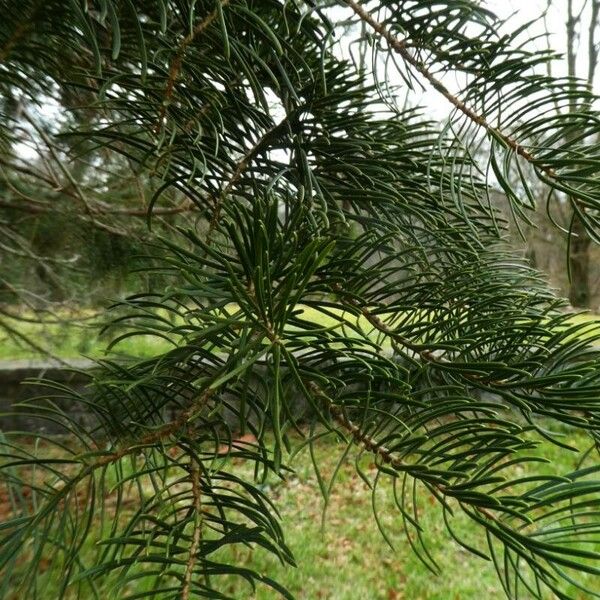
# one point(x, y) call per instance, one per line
point(156, 435)
point(400, 46)
point(381, 326)
point(399, 340)
point(340, 417)
point(197, 534)
point(243, 164)
point(177, 61)
point(372, 445)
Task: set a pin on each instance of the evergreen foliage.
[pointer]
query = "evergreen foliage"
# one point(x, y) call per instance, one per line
point(444, 357)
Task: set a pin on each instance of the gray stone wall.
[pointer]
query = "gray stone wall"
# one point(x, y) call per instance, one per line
point(17, 385)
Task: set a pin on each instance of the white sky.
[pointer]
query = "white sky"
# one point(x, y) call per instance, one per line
point(523, 11)
point(516, 13)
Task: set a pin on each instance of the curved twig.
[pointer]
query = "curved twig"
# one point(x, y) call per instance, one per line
point(400, 46)
point(177, 61)
point(197, 534)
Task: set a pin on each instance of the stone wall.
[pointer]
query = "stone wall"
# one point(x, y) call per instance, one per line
point(17, 385)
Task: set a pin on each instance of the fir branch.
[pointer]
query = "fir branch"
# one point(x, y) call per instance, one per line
point(197, 531)
point(177, 61)
point(401, 48)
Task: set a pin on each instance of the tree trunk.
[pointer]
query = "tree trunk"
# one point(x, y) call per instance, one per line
point(579, 259)
point(579, 262)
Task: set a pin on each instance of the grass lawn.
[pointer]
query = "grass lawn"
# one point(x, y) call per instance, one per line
point(69, 339)
point(347, 558)
point(73, 338)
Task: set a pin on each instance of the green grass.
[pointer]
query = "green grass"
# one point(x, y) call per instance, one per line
point(73, 338)
point(69, 339)
point(347, 558)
